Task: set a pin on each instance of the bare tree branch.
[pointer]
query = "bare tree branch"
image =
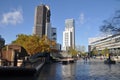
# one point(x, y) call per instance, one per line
point(113, 25)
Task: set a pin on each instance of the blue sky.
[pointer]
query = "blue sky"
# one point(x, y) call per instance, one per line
point(17, 16)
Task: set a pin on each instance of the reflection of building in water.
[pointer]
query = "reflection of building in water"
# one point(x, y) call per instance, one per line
point(112, 43)
point(68, 70)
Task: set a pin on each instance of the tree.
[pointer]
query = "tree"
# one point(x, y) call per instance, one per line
point(47, 45)
point(80, 48)
point(94, 51)
point(29, 42)
point(53, 46)
point(105, 52)
point(34, 44)
point(73, 52)
point(112, 25)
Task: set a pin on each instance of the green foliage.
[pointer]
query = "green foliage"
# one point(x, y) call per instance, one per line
point(84, 54)
point(73, 52)
point(94, 51)
point(105, 51)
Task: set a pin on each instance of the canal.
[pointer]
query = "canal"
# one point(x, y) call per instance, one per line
point(91, 70)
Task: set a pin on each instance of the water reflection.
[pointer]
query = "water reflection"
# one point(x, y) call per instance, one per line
point(76, 71)
point(57, 72)
point(101, 71)
point(80, 71)
point(68, 71)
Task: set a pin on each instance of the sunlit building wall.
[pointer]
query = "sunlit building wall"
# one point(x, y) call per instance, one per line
point(69, 34)
point(112, 43)
point(48, 30)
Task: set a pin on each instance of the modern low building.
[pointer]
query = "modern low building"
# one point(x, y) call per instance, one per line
point(112, 43)
point(12, 53)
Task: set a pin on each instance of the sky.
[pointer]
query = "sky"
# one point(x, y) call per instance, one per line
point(17, 17)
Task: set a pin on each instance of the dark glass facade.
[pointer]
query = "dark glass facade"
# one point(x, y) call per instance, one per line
point(42, 16)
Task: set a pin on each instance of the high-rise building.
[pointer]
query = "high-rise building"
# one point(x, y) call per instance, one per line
point(42, 25)
point(42, 20)
point(69, 34)
point(2, 42)
point(53, 34)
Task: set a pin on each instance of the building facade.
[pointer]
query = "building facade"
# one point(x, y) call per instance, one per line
point(42, 20)
point(54, 34)
point(112, 43)
point(2, 43)
point(12, 54)
point(69, 34)
point(42, 25)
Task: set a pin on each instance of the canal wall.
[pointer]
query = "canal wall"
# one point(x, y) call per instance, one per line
point(38, 68)
point(8, 72)
point(16, 71)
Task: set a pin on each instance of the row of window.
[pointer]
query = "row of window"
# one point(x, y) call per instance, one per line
point(107, 43)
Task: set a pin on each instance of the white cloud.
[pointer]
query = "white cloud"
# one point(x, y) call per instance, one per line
point(13, 17)
point(81, 18)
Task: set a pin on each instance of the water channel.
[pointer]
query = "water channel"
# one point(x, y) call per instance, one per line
point(91, 70)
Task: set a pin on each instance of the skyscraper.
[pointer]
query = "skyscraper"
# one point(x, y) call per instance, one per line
point(53, 34)
point(69, 34)
point(42, 25)
point(42, 20)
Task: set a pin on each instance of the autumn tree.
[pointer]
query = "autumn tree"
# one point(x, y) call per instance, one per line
point(34, 44)
point(45, 44)
point(30, 42)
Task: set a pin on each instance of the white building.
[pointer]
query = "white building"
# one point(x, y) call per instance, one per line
point(69, 34)
point(112, 43)
point(48, 30)
point(91, 40)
